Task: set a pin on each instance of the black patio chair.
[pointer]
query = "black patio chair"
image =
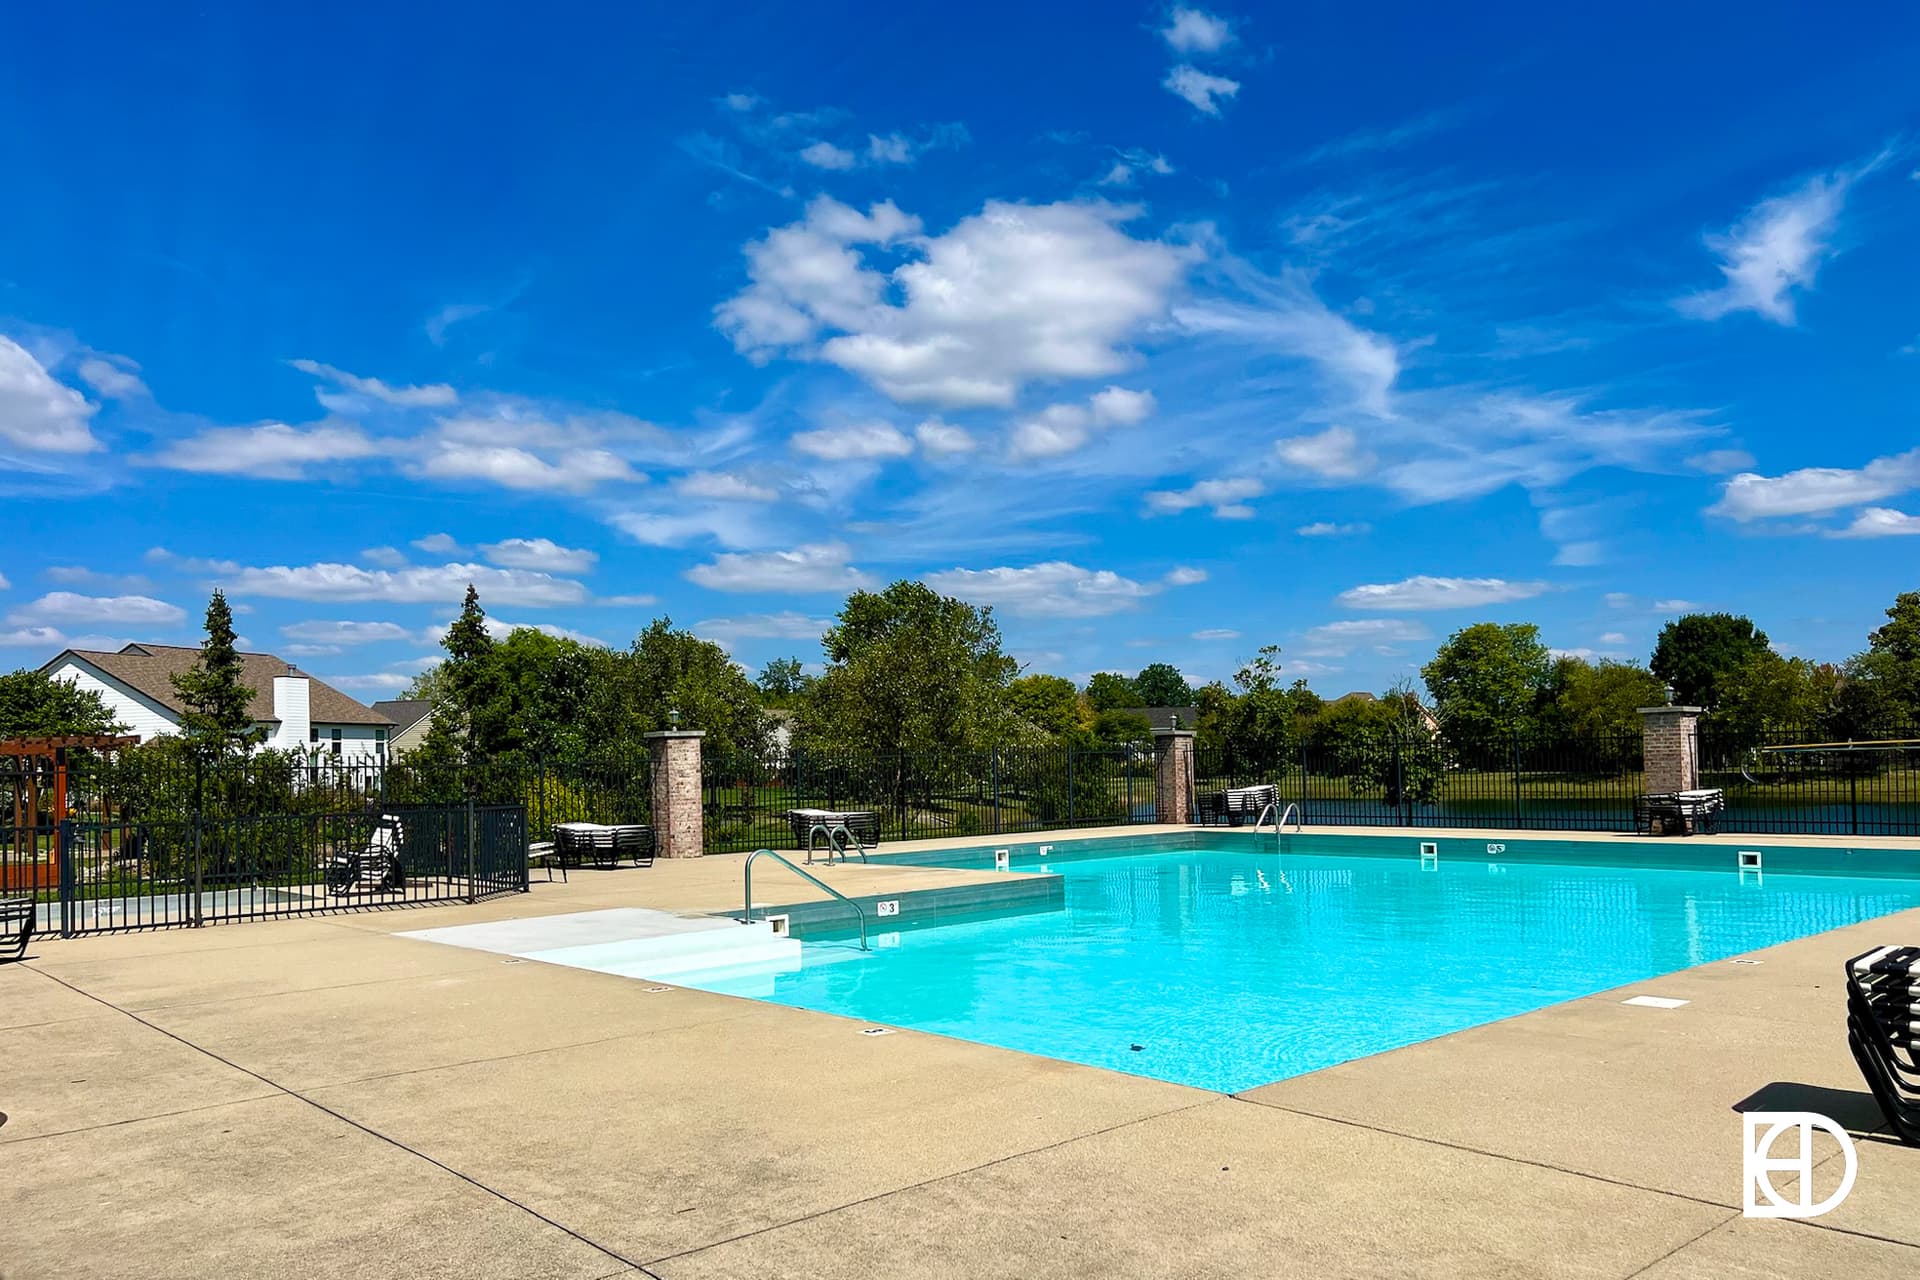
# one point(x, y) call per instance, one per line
point(17, 918)
point(1883, 1031)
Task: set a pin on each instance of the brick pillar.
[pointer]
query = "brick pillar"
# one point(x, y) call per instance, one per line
point(1670, 748)
point(1173, 774)
point(679, 827)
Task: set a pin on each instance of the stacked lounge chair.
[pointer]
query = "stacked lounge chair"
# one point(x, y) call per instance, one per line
point(17, 916)
point(1234, 806)
point(1682, 812)
point(1883, 1030)
point(862, 824)
point(576, 842)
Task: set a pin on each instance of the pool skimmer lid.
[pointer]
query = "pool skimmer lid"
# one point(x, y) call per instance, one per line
point(1654, 1002)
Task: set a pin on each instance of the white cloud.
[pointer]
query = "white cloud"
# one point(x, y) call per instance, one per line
point(1329, 529)
point(457, 457)
point(1133, 162)
point(824, 155)
point(270, 451)
point(1718, 462)
point(1674, 606)
point(1338, 639)
point(1618, 600)
point(1195, 31)
point(865, 440)
point(1055, 589)
point(1880, 522)
point(435, 395)
point(52, 638)
point(1424, 592)
point(375, 682)
point(452, 314)
point(115, 377)
point(724, 486)
point(440, 544)
point(1335, 454)
point(1184, 576)
point(333, 635)
point(1062, 428)
point(386, 557)
point(38, 413)
point(1613, 637)
point(728, 523)
point(421, 584)
point(1227, 497)
point(808, 568)
point(57, 607)
point(1008, 295)
point(1216, 633)
point(1774, 251)
point(787, 625)
point(1287, 315)
point(73, 575)
point(1203, 90)
point(539, 553)
point(938, 438)
point(1812, 490)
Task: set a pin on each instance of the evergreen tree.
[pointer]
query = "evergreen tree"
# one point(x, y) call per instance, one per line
point(217, 719)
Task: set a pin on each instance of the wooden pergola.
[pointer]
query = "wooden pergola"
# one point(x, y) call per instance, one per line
point(35, 771)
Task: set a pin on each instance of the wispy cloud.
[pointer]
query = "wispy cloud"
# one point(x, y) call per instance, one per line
point(1055, 588)
point(1880, 522)
point(1774, 251)
point(1227, 497)
point(1203, 90)
point(808, 569)
point(1422, 592)
point(1816, 490)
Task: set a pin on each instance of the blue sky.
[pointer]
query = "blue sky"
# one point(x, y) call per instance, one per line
point(1168, 331)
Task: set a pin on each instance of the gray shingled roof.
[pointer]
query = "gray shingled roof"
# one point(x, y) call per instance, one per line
point(404, 712)
point(150, 668)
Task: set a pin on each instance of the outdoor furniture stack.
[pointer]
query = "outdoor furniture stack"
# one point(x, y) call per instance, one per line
point(17, 917)
point(605, 844)
point(1679, 812)
point(862, 824)
point(1883, 1028)
point(1234, 806)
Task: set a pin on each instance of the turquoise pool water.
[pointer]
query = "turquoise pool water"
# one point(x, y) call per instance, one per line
point(1229, 968)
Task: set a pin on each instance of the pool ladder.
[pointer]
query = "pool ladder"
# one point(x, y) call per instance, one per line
point(746, 915)
point(1291, 811)
point(839, 835)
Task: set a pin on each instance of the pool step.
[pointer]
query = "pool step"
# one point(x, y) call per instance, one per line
point(631, 941)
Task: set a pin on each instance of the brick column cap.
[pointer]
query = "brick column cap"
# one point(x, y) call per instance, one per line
point(1662, 711)
point(676, 733)
point(1173, 733)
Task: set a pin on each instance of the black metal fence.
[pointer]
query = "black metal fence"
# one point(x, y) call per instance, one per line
point(134, 871)
point(1798, 781)
point(1511, 781)
point(926, 795)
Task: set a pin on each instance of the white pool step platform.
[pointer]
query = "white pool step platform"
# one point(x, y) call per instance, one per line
point(633, 942)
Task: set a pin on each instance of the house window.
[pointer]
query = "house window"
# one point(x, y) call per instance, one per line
point(313, 733)
point(336, 742)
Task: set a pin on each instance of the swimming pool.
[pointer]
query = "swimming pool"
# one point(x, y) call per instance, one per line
point(1232, 966)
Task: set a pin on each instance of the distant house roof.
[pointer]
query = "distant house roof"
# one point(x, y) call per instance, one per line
point(1358, 695)
point(1162, 717)
point(404, 712)
point(149, 669)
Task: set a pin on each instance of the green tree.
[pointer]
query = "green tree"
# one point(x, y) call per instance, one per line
point(1216, 703)
point(1693, 653)
point(909, 670)
point(1602, 699)
point(217, 720)
point(1768, 691)
point(1381, 746)
point(1487, 681)
point(1121, 728)
point(668, 670)
point(783, 683)
point(1262, 730)
point(1885, 678)
point(1051, 704)
point(35, 705)
point(1109, 689)
point(1160, 684)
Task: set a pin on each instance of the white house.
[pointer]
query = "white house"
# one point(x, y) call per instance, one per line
point(298, 712)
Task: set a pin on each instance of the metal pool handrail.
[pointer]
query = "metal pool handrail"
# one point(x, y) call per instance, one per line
point(808, 876)
point(1292, 810)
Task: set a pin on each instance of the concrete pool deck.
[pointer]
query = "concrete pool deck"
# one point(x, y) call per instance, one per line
point(319, 1097)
